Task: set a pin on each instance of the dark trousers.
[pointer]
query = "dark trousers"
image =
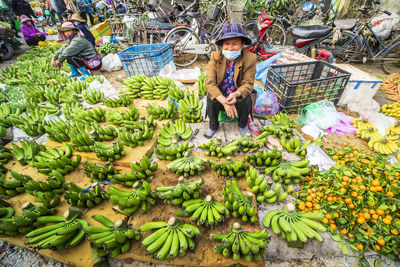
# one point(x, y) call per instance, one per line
point(35, 40)
point(83, 15)
point(214, 107)
point(77, 62)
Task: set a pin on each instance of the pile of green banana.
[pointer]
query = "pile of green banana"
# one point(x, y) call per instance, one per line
point(161, 113)
point(93, 78)
point(108, 133)
point(295, 145)
point(128, 202)
point(27, 152)
point(113, 239)
point(201, 84)
point(72, 109)
point(177, 130)
point(238, 203)
point(48, 109)
point(142, 170)
point(109, 153)
point(77, 86)
point(147, 87)
point(188, 165)
point(14, 186)
point(169, 239)
point(32, 124)
point(141, 124)
point(5, 111)
point(215, 148)
point(52, 94)
point(190, 108)
point(80, 138)
point(3, 131)
point(241, 243)
point(58, 130)
point(99, 171)
point(49, 199)
point(248, 143)
point(135, 138)
point(174, 151)
point(229, 168)
point(175, 195)
point(64, 233)
point(57, 159)
point(5, 155)
point(205, 211)
point(94, 115)
point(92, 96)
point(120, 101)
point(282, 125)
point(295, 227)
point(117, 116)
point(289, 171)
point(6, 211)
point(84, 198)
point(264, 158)
point(175, 93)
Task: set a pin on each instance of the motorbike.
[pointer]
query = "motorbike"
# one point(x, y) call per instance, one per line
point(8, 43)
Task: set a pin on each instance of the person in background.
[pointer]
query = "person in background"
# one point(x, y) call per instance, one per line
point(230, 78)
point(85, 9)
point(80, 23)
point(8, 15)
point(32, 35)
point(79, 53)
point(59, 7)
point(21, 7)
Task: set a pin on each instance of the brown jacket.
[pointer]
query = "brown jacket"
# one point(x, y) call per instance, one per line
point(245, 71)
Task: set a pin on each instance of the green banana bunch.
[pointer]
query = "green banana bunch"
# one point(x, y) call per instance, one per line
point(93, 78)
point(133, 139)
point(97, 171)
point(239, 203)
point(94, 115)
point(27, 152)
point(289, 171)
point(215, 148)
point(142, 170)
point(80, 138)
point(174, 151)
point(5, 111)
point(92, 96)
point(229, 168)
point(190, 108)
point(205, 211)
point(133, 85)
point(128, 202)
point(5, 155)
point(54, 185)
point(109, 153)
point(76, 87)
point(33, 123)
point(3, 131)
point(155, 88)
point(52, 94)
point(71, 109)
point(282, 125)
point(248, 143)
point(108, 133)
point(57, 159)
point(201, 85)
point(49, 109)
point(175, 195)
point(84, 198)
point(175, 93)
point(241, 243)
point(121, 101)
point(294, 145)
point(169, 238)
point(264, 158)
point(58, 130)
point(161, 113)
point(117, 117)
point(141, 125)
point(113, 239)
point(14, 186)
point(107, 48)
point(295, 227)
point(177, 130)
point(6, 211)
point(188, 165)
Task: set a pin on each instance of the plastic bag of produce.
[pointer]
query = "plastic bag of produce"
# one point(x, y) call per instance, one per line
point(267, 104)
point(111, 62)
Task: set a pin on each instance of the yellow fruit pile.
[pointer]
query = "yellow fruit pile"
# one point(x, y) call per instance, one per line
point(392, 110)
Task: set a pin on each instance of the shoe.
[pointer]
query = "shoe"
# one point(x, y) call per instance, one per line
point(84, 71)
point(74, 72)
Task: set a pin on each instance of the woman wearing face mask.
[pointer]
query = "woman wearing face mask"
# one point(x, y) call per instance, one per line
point(230, 78)
point(79, 53)
point(31, 34)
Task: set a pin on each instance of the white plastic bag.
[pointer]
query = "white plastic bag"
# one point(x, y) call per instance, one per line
point(380, 121)
point(317, 156)
point(384, 24)
point(111, 62)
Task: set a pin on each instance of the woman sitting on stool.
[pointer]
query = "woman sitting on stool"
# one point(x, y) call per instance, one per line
point(32, 35)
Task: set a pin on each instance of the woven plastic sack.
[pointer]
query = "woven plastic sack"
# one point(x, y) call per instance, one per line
point(322, 114)
point(267, 104)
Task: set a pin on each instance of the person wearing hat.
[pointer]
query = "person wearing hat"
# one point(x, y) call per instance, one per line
point(80, 23)
point(32, 35)
point(79, 53)
point(230, 78)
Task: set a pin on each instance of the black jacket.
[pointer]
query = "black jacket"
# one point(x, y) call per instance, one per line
point(22, 8)
point(88, 35)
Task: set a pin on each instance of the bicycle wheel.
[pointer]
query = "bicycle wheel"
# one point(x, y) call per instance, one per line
point(250, 27)
point(276, 34)
point(392, 64)
point(346, 48)
point(179, 38)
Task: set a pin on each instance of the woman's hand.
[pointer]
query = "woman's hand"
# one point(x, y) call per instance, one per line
point(232, 98)
point(231, 111)
point(54, 62)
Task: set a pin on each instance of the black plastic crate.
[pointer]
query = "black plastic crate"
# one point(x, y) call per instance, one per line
point(298, 84)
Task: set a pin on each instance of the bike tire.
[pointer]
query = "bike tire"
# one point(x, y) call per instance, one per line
point(391, 66)
point(7, 51)
point(276, 32)
point(346, 48)
point(174, 37)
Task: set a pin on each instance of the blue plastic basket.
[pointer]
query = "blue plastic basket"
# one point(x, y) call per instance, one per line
point(146, 59)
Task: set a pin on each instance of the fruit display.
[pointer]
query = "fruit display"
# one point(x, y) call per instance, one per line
point(295, 226)
point(229, 168)
point(188, 165)
point(392, 110)
point(201, 85)
point(84, 197)
point(108, 133)
point(169, 239)
point(264, 158)
point(294, 145)
point(120, 101)
point(147, 87)
point(117, 117)
point(240, 204)
point(282, 125)
point(190, 108)
point(112, 239)
point(109, 152)
point(15, 185)
point(205, 211)
point(391, 86)
point(174, 151)
point(99, 171)
point(140, 170)
point(128, 202)
point(175, 93)
point(58, 130)
point(26, 152)
point(160, 113)
point(383, 145)
point(176, 195)
point(5, 155)
point(289, 171)
point(92, 96)
point(177, 130)
point(241, 243)
point(107, 48)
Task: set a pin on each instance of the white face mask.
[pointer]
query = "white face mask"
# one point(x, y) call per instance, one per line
point(231, 55)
